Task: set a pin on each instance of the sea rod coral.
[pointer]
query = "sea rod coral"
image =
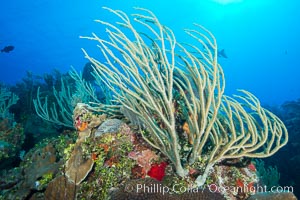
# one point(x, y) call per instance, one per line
point(155, 77)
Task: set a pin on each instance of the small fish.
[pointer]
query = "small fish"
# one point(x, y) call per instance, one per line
point(7, 49)
point(222, 54)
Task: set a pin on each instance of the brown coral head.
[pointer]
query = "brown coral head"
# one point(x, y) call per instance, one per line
point(78, 167)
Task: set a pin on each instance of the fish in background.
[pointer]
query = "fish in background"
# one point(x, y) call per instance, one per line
point(222, 54)
point(7, 49)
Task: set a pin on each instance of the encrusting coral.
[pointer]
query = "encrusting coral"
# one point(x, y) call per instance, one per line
point(78, 167)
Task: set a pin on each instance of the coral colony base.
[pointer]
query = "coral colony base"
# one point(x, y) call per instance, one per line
point(167, 131)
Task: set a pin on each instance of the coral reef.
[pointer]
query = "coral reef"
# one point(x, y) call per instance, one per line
point(119, 156)
point(287, 161)
point(268, 176)
point(66, 97)
point(11, 134)
point(158, 81)
point(7, 99)
point(111, 160)
point(79, 164)
point(11, 140)
point(169, 132)
point(41, 164)
point(274, 196)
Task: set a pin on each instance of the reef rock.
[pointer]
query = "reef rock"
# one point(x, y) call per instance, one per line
point(44, 161)
point(60, 188)
point(108, 126)
point(273, 196)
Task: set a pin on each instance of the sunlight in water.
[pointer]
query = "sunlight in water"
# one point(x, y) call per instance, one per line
point(227, 1)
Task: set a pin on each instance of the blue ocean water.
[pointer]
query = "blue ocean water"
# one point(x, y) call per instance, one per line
point(261, 38)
